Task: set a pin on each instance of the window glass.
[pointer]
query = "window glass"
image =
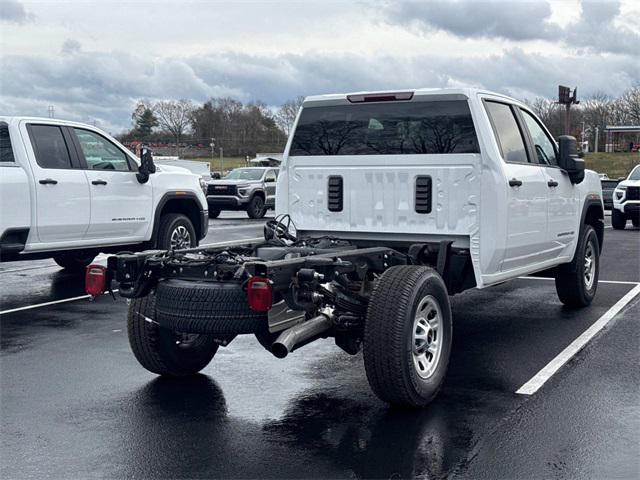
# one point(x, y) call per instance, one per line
point(270, 176)
point(6, 152)
point(545, 150)
point(507, 132)
point(635, 174)
point(245, 174)
point(50, 146)
point(100, 153)
point(391, 128)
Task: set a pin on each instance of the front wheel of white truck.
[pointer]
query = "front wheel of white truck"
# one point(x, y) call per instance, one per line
point(407, 336)
point(577, 282)
point(163, 351)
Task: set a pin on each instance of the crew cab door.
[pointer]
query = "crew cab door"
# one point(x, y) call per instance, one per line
point(270, 179)
point(563, 204)
point(121, 207)
point(62, 197)
point(526, 190)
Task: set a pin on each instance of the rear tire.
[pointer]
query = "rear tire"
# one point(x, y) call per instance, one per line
point(75, 262)
point(635, 222)
point(214, 212)
point(163, 351)
point(175, 232)
point(618, 220)
point(407, 336)
point(256, 208)
point(577, 282)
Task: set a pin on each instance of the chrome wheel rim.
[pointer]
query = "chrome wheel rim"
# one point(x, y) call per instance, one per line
point(427, 337)
point(180, 238)
point(589, 266)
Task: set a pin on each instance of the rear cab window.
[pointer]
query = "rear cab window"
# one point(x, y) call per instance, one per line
point(507, 132)
point(6, 150)
point(50, 146)
point(386, 128)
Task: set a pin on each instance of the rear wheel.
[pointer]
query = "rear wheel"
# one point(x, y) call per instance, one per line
point(164, 351)
point(618, 220)
point(176, 232)
point(636, 222)
point(256, 208)
point(214, 212)
point(407, 336)
point(577, 282)
point(75, 262)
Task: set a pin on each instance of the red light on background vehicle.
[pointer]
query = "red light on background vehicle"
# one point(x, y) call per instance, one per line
point(259, 294)
point(380, 97)
point(95, 280)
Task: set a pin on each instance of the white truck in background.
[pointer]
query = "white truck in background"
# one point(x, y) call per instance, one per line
point(70, 191)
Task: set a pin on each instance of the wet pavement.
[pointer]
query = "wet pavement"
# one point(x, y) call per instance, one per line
point(74, 403)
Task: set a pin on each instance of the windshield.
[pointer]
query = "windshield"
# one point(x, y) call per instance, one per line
point(635, 173)
point(394, 128)
point(245, 174)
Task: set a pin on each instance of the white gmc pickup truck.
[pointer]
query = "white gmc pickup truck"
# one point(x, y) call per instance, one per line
point(388, 203)
point(70, 191)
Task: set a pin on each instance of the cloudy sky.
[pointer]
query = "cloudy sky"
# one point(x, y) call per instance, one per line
point(93, 59)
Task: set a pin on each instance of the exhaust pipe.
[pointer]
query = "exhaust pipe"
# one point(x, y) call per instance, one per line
point(301, 334)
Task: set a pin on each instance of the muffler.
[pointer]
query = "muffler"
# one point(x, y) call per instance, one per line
point(301, 334)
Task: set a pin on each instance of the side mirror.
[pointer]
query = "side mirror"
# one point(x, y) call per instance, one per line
point(569, 159)
point(147, 167)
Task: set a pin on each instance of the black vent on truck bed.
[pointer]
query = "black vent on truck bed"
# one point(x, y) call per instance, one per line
point(423, 194)
point(334, 198)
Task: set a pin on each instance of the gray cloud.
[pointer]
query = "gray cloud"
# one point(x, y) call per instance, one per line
point(12, 11)
point(595, 29)
point(473, 19)
point(70, 46)
point(102, 86)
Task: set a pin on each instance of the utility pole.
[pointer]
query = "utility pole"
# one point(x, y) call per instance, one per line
point(566, 98)
point(221, 161)
point(596, 142)
point(212, 145)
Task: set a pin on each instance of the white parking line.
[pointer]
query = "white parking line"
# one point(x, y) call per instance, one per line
point(615, 282)
point(540, 378)
point(45, 304)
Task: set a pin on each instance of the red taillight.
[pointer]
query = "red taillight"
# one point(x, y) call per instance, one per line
point(259, 294)
point(95, 280)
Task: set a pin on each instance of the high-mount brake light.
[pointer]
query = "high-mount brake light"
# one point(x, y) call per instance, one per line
point(259, 294)
point(380, 97)
point(95, 280)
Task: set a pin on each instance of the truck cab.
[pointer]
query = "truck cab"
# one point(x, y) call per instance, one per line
point(70, 190)
point(464, 165)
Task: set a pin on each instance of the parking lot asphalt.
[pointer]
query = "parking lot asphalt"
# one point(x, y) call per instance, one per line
point(74, 403)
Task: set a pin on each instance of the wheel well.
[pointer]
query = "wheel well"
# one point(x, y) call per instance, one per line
point(259, 193)
point(185, 206)
point(595, 218)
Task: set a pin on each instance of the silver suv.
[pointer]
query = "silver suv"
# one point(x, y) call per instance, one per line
point(251, 189)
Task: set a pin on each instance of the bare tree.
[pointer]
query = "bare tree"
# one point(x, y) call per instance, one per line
point(174, 116)
point(287, 113)
point(597, 112)
point(630, 104)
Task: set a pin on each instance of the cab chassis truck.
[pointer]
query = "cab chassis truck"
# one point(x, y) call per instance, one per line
point(388, 203)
